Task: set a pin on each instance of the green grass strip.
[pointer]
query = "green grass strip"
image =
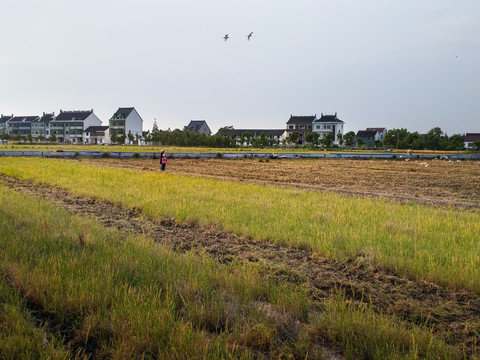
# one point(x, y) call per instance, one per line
point(434, 244)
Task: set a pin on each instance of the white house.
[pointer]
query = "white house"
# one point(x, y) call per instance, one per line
point(68, 126)
point(97, 135)
point(380, 135)
point(326, 124)
point(126, 121)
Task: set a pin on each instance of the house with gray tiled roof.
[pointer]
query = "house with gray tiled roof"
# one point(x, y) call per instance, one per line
point(41, 126)
point(328, 124)
point(367, 138)
point(3, 123)
point(301, 125)
point(68, 126)
point(97, 135)
point(124, 121)
point(471, 139)
point(381, 131)
point(199, 127)
point(21, 125)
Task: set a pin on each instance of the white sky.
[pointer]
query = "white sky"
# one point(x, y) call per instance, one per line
point(411, 64)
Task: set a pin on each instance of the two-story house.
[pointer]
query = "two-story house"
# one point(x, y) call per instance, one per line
point(68, 126)
point(124, 121)
point(381, 131)
point(301, 125)
point(328, 124)
point(199, 127)
point(366, 137)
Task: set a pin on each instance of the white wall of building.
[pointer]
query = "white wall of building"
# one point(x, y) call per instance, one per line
point(133, 124)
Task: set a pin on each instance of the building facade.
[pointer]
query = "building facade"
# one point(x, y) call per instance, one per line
point(329, 124)
point(97, 135)
point(301, 125)
point(125, 121)
point(68, 126)
point(199, 127)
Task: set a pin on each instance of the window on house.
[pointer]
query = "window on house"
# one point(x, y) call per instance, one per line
point(290, 126)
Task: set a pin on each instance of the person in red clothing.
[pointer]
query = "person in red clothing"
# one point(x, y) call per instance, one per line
point(163, 162)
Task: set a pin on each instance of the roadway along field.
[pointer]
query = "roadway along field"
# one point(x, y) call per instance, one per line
point(437, 182)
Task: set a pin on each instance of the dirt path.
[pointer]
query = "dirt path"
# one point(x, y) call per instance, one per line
point(445, 310)
point(436, 182)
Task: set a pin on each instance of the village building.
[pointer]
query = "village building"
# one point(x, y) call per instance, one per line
point(21, 125)
point(68, 126)
point(381, 132)
point(471, 139)
point(329, 124)
point(41, 126)
point(125, 121)
point(301, 125)
point(97, 135)
point(3, 123)
point(366, 137)
point(199, 127)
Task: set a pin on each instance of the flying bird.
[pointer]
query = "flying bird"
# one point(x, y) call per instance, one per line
point(225, 37)
point(249, 36)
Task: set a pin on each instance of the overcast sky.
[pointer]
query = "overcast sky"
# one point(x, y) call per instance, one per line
point(411, 64)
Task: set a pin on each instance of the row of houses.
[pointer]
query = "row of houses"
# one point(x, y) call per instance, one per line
point(75, 127)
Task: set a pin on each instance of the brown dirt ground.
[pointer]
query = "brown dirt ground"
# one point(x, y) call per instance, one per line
point(436, 182)
point(452, 314)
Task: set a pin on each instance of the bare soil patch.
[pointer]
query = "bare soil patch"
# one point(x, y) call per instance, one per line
point(435, 182)
point(452, 312)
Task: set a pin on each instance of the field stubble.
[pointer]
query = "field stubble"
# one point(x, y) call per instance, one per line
point(436, 182)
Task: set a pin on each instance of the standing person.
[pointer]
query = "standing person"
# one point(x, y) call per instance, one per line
point(163, 162)
point(162, 152)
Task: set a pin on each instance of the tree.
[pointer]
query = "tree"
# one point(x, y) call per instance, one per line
point(433, 138)
point(395, 137)
point(476, 145)
point(41, 138)
point(328, 140)
point(155, 127)
point(312, 138)
point(30, 138)
point(349, 138)
point(130, 137)
point(360, 142)
point(225, 130)
point(293, 138)
point(378, 144)
point(113, 137)
point(52, 138)
point(121, 138)
point(246, 138)
point(340, 138)
point(456, 142)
